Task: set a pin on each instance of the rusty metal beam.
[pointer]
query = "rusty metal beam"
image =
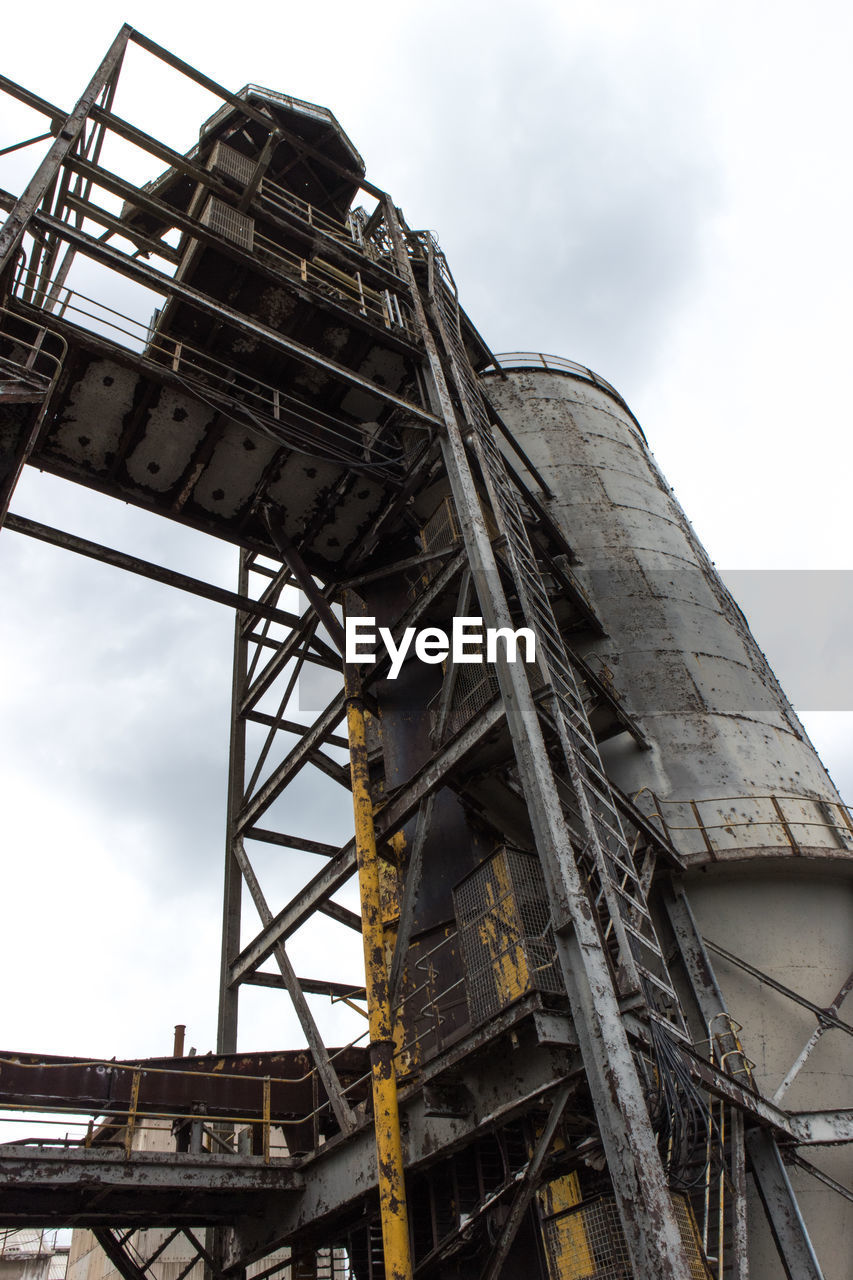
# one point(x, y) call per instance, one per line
point(398, 810)
point(806, 1051)
point(299, 756)
point(330, 878)
point(715, 1081)
point(343, 915)
point(322, 1060)
point(794, 1157)
point(527, 1187)
point(399, 566)
point(118, 1255)
point(334, 712)
point(232, 895)
point(335, 991)
point(291, 842)
point(228, 1084)
point(68, 137)
point(32, 100)
point(790, 1234)
point(289, 726)
point(645, 1207)
point(286, 649)
point(301, 573)
point(146, 569)
point(97, 1186)
point(823, 1015)
point(236, 101)
point(823, 1128)
point(161, 283)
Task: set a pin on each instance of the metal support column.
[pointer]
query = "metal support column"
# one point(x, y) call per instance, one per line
point(774, 1188)
point(780, 1204)
point(386, 1118)
point(18, 220)
point(226, 1039)
point(527, 1188)
point(642, 1195)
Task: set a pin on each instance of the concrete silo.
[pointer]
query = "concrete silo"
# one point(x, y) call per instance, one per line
point(730, 769)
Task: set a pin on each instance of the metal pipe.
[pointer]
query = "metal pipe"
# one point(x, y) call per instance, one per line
point(389, 1152)
point(178, 1045)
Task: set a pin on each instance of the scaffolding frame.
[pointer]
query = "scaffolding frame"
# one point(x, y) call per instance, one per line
point(598, 1047)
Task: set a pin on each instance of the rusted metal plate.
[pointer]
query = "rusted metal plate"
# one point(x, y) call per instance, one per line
point(221, 1085)
point(79, 1187)
point(133, 431)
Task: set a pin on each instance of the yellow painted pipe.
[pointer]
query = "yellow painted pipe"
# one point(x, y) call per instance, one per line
point(389, 1152)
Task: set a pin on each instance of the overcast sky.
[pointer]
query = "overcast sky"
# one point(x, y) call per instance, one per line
point(658, 190)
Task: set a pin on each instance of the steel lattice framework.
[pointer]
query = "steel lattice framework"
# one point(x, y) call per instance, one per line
point(533, 1085)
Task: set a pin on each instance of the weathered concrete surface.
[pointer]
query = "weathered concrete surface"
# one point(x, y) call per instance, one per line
point(678, 648)
point(771, 887)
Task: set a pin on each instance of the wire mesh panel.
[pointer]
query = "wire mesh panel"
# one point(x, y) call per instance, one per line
point(230, 163)
point(228, 222)
point(587, 1242)
point(441, 531)
point(475, 688)
point(505, 933)
point(684, 1216)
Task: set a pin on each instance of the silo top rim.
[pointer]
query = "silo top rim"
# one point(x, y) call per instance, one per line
point(512, 360)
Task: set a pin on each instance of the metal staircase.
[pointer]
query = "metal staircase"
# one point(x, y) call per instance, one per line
point(605, 860)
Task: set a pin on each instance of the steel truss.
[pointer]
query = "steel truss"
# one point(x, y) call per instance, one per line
point(386, 485)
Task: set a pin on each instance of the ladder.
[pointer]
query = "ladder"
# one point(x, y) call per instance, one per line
point(601, 849)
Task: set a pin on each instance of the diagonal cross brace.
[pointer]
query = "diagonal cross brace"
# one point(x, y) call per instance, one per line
point(325, 1070)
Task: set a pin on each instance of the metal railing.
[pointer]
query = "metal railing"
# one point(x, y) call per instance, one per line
point(556, 364)
point(29, 361)
point(201, 1129)
point(263, 404)
point(381, 307)
point(348, 232)
point(772, 823)
point(421, 1016)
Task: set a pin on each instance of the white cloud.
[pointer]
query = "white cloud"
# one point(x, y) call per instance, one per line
point(660, 191)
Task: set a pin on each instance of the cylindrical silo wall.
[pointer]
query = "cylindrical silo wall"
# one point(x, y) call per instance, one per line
point(745, 797)
point(790, 919)
point(730, 763)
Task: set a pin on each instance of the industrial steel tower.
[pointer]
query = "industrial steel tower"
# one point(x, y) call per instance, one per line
point(559, 853)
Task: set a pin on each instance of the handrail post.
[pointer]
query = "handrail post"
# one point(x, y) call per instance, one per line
point(131, 1113)
point(267, 1113)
